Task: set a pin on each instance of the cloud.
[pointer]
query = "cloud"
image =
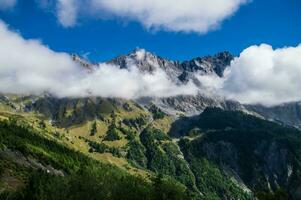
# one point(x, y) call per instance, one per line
point(264, 75)
point(67, 12)
point(260, 74)
point(28, 66)
point(7, 4)
point(183, 15)
point(198, 16)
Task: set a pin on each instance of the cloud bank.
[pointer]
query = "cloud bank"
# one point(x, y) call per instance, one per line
point(259, 75)
point(264, 75)
point(27, 66)
point(7, 4)
point(198, 16)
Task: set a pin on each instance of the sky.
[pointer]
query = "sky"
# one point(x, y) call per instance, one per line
point(276, 22)
point(37, 37)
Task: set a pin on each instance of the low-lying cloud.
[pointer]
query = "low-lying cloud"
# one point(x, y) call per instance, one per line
point(264, 75)
point(259, 75)
point(27, 66)
point(198, 16)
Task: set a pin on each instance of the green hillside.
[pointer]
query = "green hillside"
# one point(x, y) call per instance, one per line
point(114, 146)
point(263, 155)
point(35, 167)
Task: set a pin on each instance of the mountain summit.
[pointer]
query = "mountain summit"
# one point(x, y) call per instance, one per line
point(176, 70)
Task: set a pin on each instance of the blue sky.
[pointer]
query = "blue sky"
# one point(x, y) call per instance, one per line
point(276, 22)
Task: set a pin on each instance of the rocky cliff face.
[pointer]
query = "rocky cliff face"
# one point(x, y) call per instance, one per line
point(148, 62)
point(209, 64)
point(185, 105)
point(182, 72)
point(83, 62)
point(177, 71)
point(259, 155)
point(287, 114)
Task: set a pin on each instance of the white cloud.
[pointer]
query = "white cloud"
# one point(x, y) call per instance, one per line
point(260, 74)
point(7, 4)
point(67, 12)
point(27, 66)
point(264, 75)
point(183, 15)
point(198, 16)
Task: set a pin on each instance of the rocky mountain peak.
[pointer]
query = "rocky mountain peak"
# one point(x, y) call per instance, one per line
point(82, 61)
point(142, 54)
point(148, 62)
point(177, 71)
point(209, 64)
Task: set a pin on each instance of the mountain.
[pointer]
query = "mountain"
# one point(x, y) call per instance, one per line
point(181, 72)
point(209, 64)
point(287, 113)
point(258, 154)
point(182, 147)
point(83, 62)
point(215, 155)
point(177, 71)
point(36, 164)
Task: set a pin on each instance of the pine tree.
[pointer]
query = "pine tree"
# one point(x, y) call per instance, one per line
point(93, 130)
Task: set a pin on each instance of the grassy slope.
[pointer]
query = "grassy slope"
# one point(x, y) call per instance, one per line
point(139, 151)
point(73, 135)
point(95, 179)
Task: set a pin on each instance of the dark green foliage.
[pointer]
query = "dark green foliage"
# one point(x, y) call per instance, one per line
point(93, 130)
point(181, 170)
point(25, 140)
point(94, 184)
point(212, 182)
point(136, 123)
point(157, 160)
point(163, 157)
point(42, 124)
point(1, 167)
point(279, 194)
point(136, 153)
point(248, 146)
point(129, 133)
point(84, 178)
point(112, 134)
point(150, 134)
point(102, 148)
point(215, 118)
point(165, 191)
point(157, 112)
point(248, 133)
